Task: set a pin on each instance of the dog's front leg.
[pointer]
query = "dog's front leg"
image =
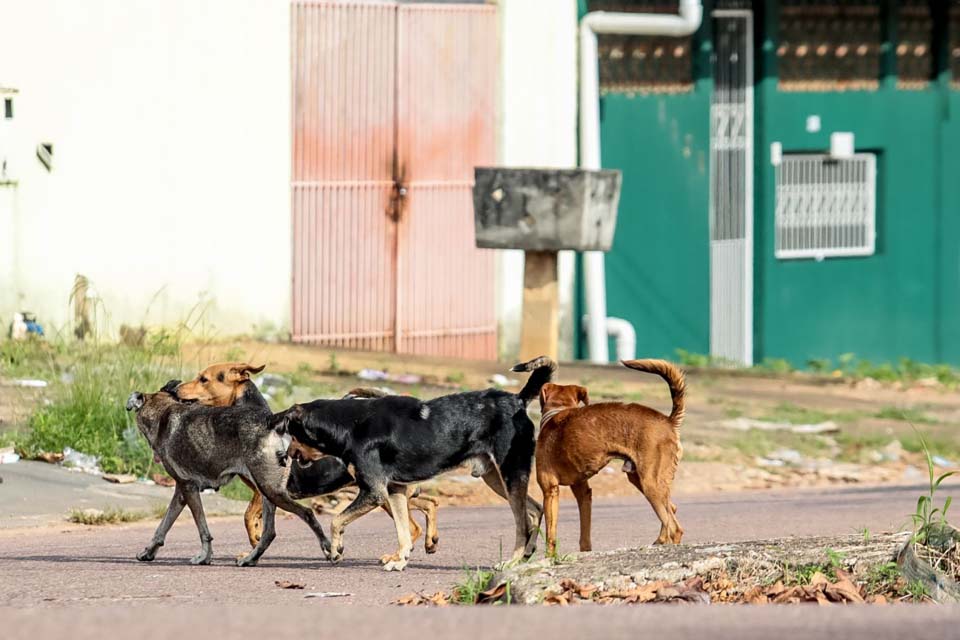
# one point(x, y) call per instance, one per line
point(365, 502)
point(177, 503)
point(206, 540)
point(397, 497)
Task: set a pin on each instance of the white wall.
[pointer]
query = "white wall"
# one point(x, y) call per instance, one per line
point(170, 126)
point(538, 129)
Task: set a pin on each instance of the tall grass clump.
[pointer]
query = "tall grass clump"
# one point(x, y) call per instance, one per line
point(89, 386)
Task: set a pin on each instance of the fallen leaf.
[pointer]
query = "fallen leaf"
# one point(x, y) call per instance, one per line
point(286, 584)
point(755, 595)
point(439, 599)
point(844, 590)
point(877, 599)
point(410, 598)
point(49, 457)
point(818, 578)
point(493, 594)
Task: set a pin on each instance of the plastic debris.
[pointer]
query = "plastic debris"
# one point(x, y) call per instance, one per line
point(500, 380)
point(327, 594)
point(84, 462)
point(120, 478)
point(746, 424)
point(940, 461)
point(9, 456)
point(36, 384)
point(375, 375)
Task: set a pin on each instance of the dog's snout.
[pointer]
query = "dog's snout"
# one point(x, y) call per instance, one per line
point(135, 401)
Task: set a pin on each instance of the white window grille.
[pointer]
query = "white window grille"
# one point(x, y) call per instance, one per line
point(826, 207)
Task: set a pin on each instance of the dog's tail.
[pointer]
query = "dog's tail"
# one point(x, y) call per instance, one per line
point(673, 376)
point(543, 369)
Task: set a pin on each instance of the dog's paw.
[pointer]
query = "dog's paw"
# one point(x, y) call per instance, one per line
point(335, 556)
point(389, 557)
point(395, 565)
point(247, 561)
point(430, 544)
point(147, 555)
point(201, 558)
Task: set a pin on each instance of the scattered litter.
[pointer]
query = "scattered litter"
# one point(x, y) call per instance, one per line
point(789, 456)
point(8, 456)
point(375, 375)
point(768, 462)
point(162, 480)
point(23, 325)
point(49, 457)
point(327, 594)
point(73, 459)
point(36, 384)
point(286, 584)
point(745, 424)
point(500, 380)
point(911, 473)
point(119, 478)
point(940, 461)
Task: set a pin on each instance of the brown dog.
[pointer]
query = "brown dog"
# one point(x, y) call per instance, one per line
point(228, 383)
point(575, 443)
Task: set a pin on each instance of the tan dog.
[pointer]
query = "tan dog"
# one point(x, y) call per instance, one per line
point(575, 443)
point(228, 383)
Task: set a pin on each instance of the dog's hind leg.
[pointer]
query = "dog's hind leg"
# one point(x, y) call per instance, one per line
point(584, 495)
point(365, 502)
point(397, 497)
point(177, 503)
point(266, 536)
point(306, 514)
point(534, 509)
point(253, 516)
point(551, 509)
point(206, 540)
point(428, 506)
point(659, 498)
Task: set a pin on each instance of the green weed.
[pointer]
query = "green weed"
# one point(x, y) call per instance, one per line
point(927, 515)
point(473, 583)
point(112, 515)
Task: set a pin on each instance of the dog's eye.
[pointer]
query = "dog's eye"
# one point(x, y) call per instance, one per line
point(203, 380)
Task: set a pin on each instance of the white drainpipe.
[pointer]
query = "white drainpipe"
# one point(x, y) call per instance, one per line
point(648, 24)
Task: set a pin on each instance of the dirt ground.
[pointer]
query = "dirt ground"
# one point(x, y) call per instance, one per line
point(871, 440)
point(740, 430)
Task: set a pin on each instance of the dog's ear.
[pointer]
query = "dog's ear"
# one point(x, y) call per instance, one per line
point(545, 392)
point(281, 421)
point(170, 387)
point(243, 370)
point(582, 395)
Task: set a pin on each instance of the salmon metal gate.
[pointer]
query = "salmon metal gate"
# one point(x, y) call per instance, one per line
point(393, 106)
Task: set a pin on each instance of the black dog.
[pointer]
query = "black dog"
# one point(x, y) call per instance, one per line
point(394, 441)
point(204, 448)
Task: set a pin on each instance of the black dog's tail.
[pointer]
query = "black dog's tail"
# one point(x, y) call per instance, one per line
point(543, 369)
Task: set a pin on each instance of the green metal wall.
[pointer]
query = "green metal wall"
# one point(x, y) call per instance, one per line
point(902, 302)
point(882, 307)
point(657, 271)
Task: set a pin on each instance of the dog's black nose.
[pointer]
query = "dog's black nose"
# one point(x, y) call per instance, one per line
point(135, 401)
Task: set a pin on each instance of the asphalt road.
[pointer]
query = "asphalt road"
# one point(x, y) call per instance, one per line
point(88, 577)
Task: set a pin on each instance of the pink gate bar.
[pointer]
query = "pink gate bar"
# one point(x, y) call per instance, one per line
point(389, 100)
